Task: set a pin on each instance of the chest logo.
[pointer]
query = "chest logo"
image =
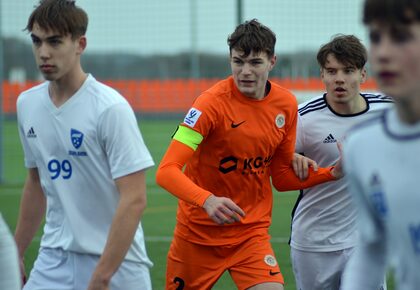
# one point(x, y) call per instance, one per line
point(329, 139)
point(31, 133)
point(235, 125)
point(76, 138)
point(280, 120)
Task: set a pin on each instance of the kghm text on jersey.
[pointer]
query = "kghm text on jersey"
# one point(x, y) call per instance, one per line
point(251, 165)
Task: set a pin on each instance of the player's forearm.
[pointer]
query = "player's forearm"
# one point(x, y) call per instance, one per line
point(286, 179)
point(170, 176)
point(120, 237)
point(174, 180)
point(31, 213)
point(132, 189)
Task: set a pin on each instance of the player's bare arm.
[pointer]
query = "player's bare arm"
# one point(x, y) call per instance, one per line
point(31, 213)
point(132, 189)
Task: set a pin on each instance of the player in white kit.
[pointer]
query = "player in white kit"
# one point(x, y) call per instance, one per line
point(323, 225)
point(86, 160)
point(382, 156)
point(9, 267)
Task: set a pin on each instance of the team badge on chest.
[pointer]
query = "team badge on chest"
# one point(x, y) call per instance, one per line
point(76, 138)
point(377, 196)
point(280, 120)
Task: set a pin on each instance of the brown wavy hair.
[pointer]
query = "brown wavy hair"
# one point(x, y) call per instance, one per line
point(62, 16)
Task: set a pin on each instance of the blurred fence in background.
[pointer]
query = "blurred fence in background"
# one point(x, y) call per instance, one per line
point(161, 54)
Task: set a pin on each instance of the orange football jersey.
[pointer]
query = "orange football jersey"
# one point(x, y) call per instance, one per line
point(245, 142)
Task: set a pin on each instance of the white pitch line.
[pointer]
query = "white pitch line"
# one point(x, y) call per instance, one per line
point(279, 240)
point(7, 192)
point(159, 239)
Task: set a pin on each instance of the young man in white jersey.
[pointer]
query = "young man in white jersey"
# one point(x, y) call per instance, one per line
point(323, 223)
point(382, 156)
point(9, 266)
point(86, 160)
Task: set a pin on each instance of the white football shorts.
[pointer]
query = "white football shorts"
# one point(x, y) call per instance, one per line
point(320, 270)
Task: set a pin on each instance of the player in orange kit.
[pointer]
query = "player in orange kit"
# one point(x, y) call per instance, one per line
point(237, 135)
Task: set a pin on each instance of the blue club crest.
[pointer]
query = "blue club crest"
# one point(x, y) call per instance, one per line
point(377, 196)
point(76, 138)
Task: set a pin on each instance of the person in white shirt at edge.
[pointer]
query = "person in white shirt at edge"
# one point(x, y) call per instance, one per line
point(86, 160)
point(323, 233)
point(382, 156)
point(9, 263)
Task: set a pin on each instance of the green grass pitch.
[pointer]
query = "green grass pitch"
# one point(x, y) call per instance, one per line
point(159, 218)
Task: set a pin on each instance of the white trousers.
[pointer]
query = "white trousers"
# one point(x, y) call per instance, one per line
point(320, 270)
point(55, 269)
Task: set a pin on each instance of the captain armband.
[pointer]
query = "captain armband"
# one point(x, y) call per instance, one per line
point(188, 137)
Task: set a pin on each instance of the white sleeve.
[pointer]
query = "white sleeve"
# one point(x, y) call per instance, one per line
point(122, 141)
point(29, 158)
point(300, 134)
point(366, 268)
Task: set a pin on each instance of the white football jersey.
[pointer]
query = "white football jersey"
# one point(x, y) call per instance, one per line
point(382, 160)
point(324, 218)
point(79, 149)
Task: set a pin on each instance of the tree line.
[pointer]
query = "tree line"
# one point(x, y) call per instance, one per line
point(17, 54)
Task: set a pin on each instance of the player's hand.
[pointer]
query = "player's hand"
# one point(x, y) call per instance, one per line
point(301, 166)
point(338, 171)
point(96, 283)
point(222, 210)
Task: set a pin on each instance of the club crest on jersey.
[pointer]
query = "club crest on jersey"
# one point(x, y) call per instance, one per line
point(414, 230)
point(270, 260)
point(280, 120)
point(377, 196)
point(76, 138)
point(192, 117)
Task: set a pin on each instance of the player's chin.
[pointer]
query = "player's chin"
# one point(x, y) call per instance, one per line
point(247, 91)
point(49, 76)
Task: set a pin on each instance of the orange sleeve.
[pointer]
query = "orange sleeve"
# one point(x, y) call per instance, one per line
point(286, 179)
point(282, 173)
point(170, 176)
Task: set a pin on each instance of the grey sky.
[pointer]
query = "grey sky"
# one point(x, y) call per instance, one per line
point(164, 26)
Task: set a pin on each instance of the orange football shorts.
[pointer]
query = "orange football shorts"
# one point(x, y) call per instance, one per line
point(195, 266)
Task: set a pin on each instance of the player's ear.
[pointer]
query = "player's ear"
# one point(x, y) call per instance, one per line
point(273, 61)
point(363, 75)
point(81, 44)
